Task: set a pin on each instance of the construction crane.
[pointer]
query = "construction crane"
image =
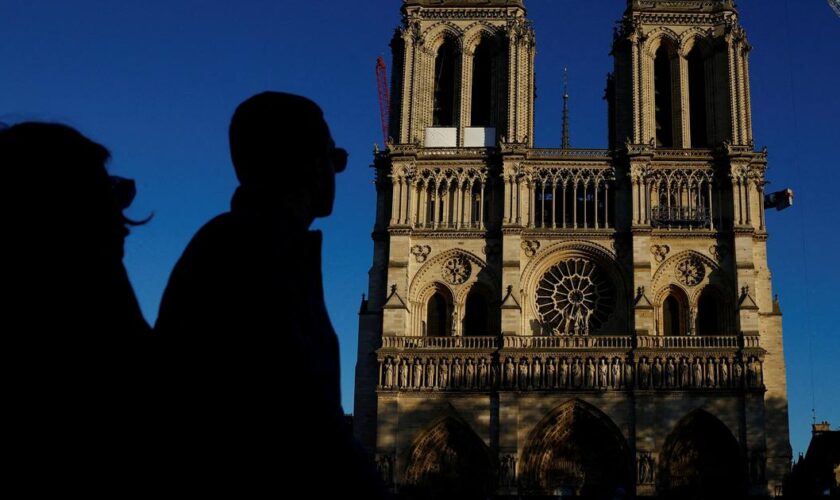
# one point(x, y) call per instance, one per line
point(384, 97)
point(835, 4)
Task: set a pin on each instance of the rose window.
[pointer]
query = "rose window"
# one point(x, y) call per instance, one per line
point(575, 297)
point(456, 270)
point(690, 271)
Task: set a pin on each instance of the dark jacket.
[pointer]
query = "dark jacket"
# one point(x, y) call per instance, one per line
point(253, 359)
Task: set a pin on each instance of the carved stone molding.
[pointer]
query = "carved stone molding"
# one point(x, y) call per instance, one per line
point(719, 252)
point(456, 270)
point(690, 271)
point(660, 252)
point(411, 371)
point(421, 252)
point(530, 247)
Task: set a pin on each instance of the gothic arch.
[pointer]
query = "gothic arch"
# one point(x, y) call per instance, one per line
point(722, 316)
point(701, 459)
point(694, 37)
point(576, 450)
point(605, 261)
point(657, 37)
point(474, 33)
point(471, 308)
point(448, 460)
point(431, 277)
point(670, 321)
point(436, 34)
point(667, 275)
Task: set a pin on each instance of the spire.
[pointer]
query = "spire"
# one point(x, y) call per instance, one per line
point(565, 108)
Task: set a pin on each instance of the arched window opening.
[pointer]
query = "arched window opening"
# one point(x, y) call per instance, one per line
point(445, 71)
point(672, 314)
point(697, 99)
point(482, 85)
point(437, 316)
point(663, 88)
point(476, 315)
point(709, 314)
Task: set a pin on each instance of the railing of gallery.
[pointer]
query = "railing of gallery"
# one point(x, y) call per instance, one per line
point(710, 341)
point(573, 342)
point(439, 342)
point(583, 342)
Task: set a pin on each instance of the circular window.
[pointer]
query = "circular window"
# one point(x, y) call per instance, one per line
point(575, 297)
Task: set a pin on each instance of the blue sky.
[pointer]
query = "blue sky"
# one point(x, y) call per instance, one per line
point(156, 82)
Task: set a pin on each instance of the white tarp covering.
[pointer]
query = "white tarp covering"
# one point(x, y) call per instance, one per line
point(441, 137)
point(477, 137)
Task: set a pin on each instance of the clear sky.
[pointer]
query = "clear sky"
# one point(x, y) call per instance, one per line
point(156, 82)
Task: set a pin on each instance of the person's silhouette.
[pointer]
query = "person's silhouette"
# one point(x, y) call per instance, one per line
point(72, 323)
point(244, 305)
point(64, 236)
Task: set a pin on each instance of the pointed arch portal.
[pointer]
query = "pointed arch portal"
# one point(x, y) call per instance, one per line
point(701, 459)
point(448, 461)
point(577, 451)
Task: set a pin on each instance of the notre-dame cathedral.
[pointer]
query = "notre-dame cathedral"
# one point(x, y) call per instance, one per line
point(561, 322)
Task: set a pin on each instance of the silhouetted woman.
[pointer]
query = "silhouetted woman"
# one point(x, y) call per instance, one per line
point(63, 233)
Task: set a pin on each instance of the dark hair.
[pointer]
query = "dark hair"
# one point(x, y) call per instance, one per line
point(51, 170)
point(274, 127)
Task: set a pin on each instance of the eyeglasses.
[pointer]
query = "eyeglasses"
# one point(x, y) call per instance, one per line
point(339, 159)
point(123, 191)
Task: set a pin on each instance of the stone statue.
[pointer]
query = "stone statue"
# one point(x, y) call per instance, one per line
point(563, 379)
point(494, 375)
point(646, 468)
point(482, 374)
point(457, 373)
point(759, 374)
point(417, 379)
point(670, 374)
point(470, 369)
point(523, 374)
point(698, 373)
point(685, 376)
point(590, 374)
point(550, 374)
point(628, 374)
point(577, 373)
point(389, 374)
point(616, 374)
point(657, 373)
point(603, 374)
point(404, 374)
point(536, 373)
point(644, 374)
point(724, 373)
point(510, 372)
point(443, 375)
point(431, 369)
point(383, 463)
point(710, 373)
point(737, 373)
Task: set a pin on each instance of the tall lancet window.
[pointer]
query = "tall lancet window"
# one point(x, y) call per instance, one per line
point(482, 85)
point(446, 64)
point(663, 95)
point(697, 99)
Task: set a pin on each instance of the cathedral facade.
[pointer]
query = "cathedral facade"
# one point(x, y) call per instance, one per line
point(571, 321)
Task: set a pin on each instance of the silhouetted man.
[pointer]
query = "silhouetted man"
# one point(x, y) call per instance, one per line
point(244, 310)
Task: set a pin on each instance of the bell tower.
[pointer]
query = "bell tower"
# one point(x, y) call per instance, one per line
point(460, 79)
point(681, 75)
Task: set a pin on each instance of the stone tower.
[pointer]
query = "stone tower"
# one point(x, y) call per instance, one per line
point(571, 321)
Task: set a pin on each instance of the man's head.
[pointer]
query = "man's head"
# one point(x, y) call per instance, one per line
point(280, 144)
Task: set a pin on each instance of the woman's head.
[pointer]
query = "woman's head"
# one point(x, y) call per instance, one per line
point(56, 189)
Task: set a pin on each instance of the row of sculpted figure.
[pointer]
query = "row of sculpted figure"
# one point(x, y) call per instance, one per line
point(432, 373)
point(593, 373)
